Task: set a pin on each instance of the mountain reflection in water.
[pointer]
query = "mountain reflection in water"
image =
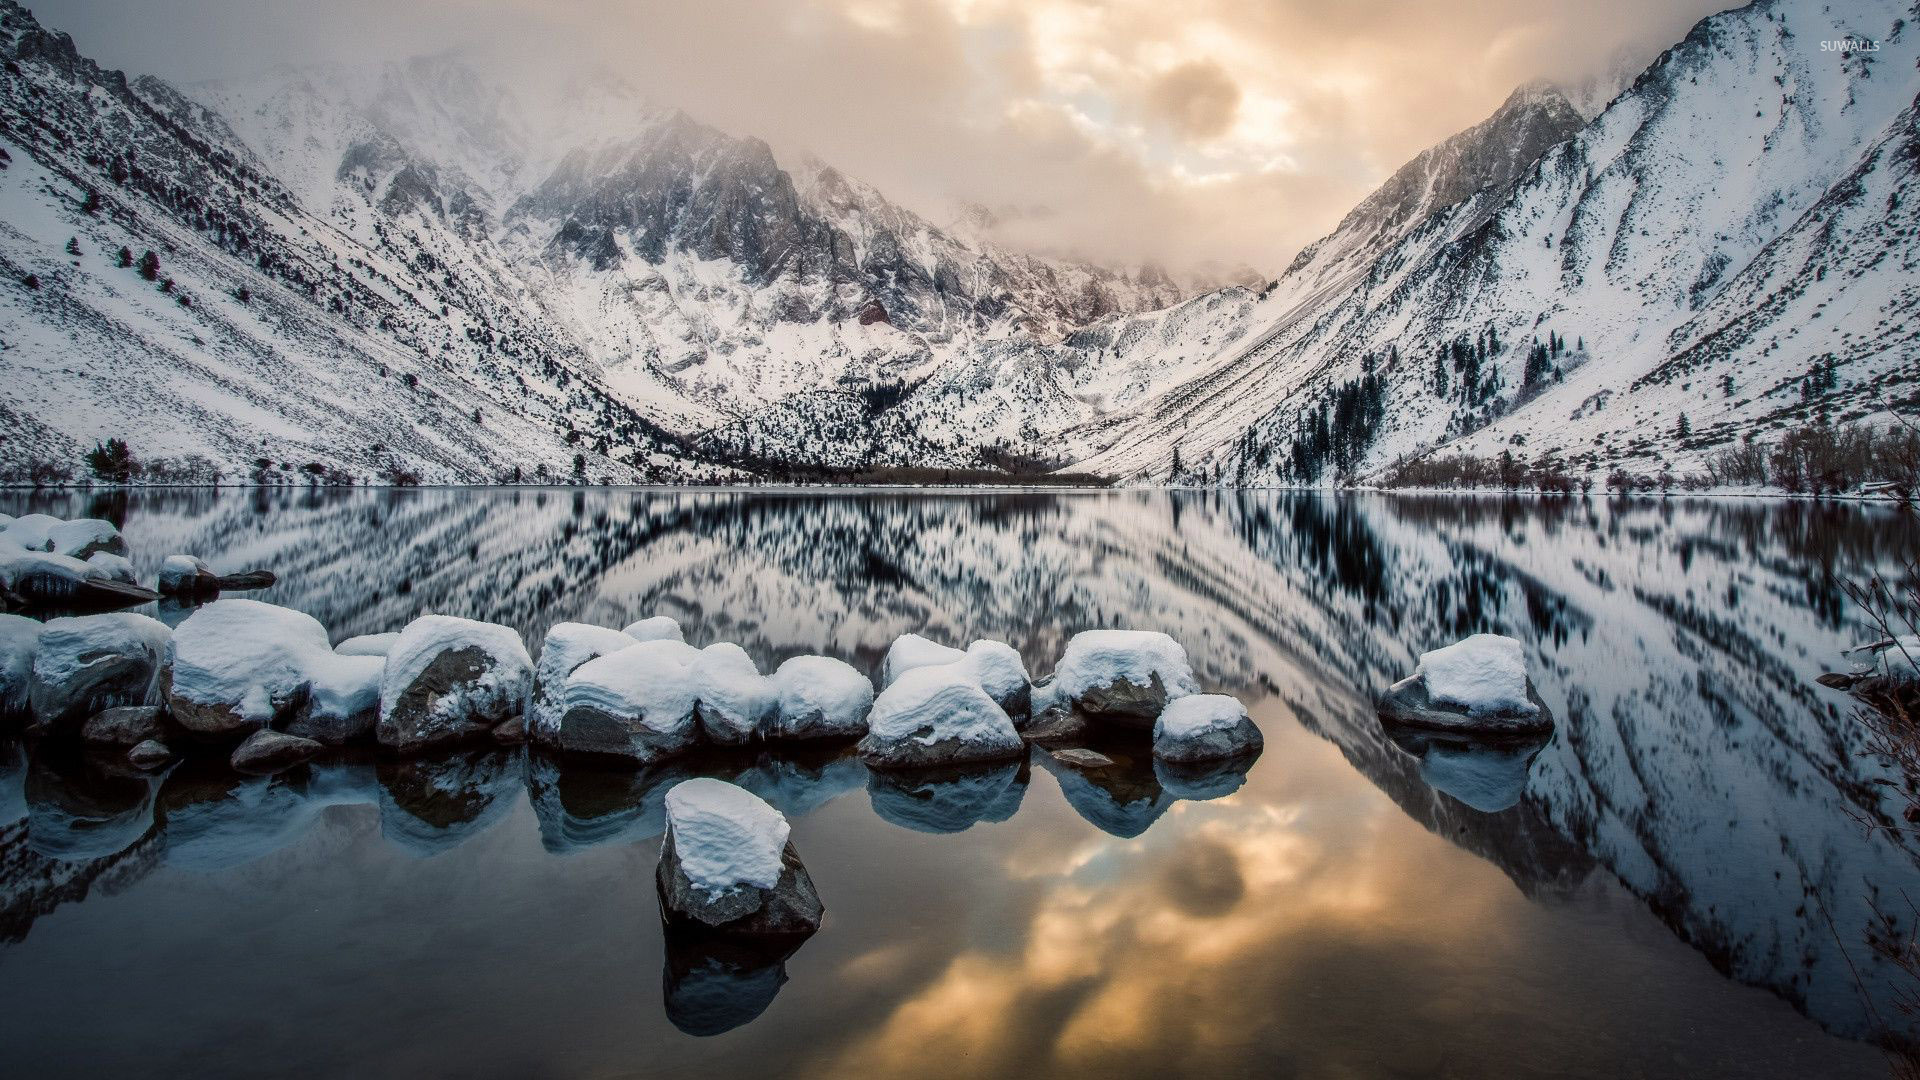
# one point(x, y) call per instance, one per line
point(1654, 890)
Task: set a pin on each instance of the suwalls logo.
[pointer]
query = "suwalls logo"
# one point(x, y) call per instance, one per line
point(1850, 45)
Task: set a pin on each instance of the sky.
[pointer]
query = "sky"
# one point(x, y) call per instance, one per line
point(1184, 132)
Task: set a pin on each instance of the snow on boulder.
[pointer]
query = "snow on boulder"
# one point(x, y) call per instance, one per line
point(1476, 684)
point(655, 628)
point(108, 566)
point(19, 640)
point(48, 578)
point(240, 665)
point(84, 536)
point(1204, 727)
point(820, 698)
point(33, 532)
point(88, 663)
point(184, 575)
point(735, 703)
point(937, 716)
point(910, 651)
point(343, 698)
point(567, 646)
point(637, 703)
point(1003, 675)
point(1123, 676)
point(449, 679)
point(727, 863)
point(368, 644)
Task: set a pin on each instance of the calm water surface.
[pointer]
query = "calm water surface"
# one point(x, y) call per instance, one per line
point(1683, 881)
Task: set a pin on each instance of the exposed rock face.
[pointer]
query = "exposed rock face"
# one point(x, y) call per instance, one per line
point(566, 646)
point(94, 662)
point(1205, 727)
point(637, 703)
point(447, 680)
point(128, 725)
point(149, 754)
point(726, 863)
point(272, 751)
point(1125, 702)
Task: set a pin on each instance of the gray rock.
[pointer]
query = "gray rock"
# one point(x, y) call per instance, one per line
point(791, 907)
point(149, 754)
point(128, 725)
point(272, 751)
point(1205, 727)
point(585, 729)
point(1055, 725)
point(95, 662)
point(1081, 758)
point(511, 733)
point(1408, 704)
point(245, 581)
point(1123, 704)
point(411, 724)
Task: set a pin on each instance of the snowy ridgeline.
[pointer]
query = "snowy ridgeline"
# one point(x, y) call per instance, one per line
point(268, 678)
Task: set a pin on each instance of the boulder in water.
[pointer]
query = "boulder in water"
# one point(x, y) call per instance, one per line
point(272, 751)
point(637, 703)
point(448, 680)
point(1204, 727)
point(820, 698)
point(1479, 684)
point(726, 863)
point(87, 663)
point(342, 703)
point(937, 716)
point(241, 665)
point(1123, 677)
point(735, 703)
point(566, 646)
point(149, 754)
point(184, 575)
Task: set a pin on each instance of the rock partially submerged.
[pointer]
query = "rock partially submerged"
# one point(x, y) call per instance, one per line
point(342, 703)
point(149, 754)
point(1478, 684)
point(736, 703)
point(819, 697)
point(934, 716)
point(1123, 677)
point(994, 665)
point(448, 680)
point(272, 751)
point(185, 575)
point(87, 663)
point(128, 725)
point(241, 665)
point(47, 579)
point(1204, 727)
point(726, 863)
point(637, 703)
point(567, 646)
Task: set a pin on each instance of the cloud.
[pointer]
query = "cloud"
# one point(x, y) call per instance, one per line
point(1232, 131)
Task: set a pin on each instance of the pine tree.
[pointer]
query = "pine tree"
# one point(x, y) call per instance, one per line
point(1174, 473)
point(150, 266)
point(126, 257)
point(73, 246)
point(1684, 428)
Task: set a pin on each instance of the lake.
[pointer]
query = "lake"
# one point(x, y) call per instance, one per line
point(1682, 881)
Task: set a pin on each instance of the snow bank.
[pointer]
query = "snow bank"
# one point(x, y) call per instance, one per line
point(655, 628)
point(938, 715)
point(820, 698)
point(567, 646)
point(239, 664)
point(736, 702)
point(368, 644)
point(1483, 674)
point(84, 536)
point(725, 837)
point(1204, 727)
point(19, 640)
point(910, 651)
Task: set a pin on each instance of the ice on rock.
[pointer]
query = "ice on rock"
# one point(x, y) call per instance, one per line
point(1477, 684)
point(1123, 675)
point(83, 537)
point(735, 702)
point(238, 665)
point(937, 716)
point(1483, 674)
point(368, 644)
point(449, 679)
point(727, 863)
point(93, 662)
point(567, 646)
point(19, 640)
point(910, 651)
point(637, 703)
point(343, 698)
point(820, 698)
point(655, 628)
point(1204, 727)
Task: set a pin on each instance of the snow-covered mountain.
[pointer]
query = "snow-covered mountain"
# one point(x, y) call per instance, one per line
point(410, 268)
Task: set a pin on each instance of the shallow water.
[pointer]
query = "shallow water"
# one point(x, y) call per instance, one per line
point(1682, 881)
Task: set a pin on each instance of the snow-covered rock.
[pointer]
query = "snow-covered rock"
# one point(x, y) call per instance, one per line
point(727, 863)
point(185, 575)
point(1123, 676)
point(637, 703)
point(63, 581)
point(92, 662)
point(342, 704)
point(448, 679)
point(112, 567)
point(240, 665)
point(736, 704)
point(368, 644)
point(272, 751)
point(937, 716)
point(654, 628)
point(910, 651)
point(1476, 684)
point(19, 640)
point(566, 647)
point(82, 537)
point(1204, 727)
point(820, 698)
point(1003, 675)
point(34, 532)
